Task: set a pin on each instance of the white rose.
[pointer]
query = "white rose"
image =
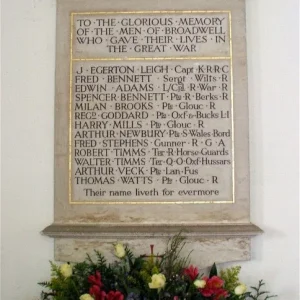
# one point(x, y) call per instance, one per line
point(158, 281)
point(86, 297)
point(200, 284)
point(119, 250)
point(240, 289)
point(66, 270)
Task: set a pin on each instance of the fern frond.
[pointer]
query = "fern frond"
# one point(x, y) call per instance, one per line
point(101, 260)
point(44, 283)
point(171, 262)
point(89, 260)
point(130, 256)
point(259, 292)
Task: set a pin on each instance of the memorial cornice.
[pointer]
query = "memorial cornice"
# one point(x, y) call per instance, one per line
point(150, 231)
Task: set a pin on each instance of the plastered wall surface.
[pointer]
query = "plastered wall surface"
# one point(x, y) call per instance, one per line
point(28, 56)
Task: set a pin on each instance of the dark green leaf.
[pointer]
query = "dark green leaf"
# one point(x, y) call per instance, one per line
point(213, 271)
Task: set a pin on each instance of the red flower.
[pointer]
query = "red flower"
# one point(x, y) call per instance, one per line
point(206, 292)
point(214, 288)
point(95, 279)
point(221, 294)
point(215, 282)
point(191, 272)
point(115, 295)
point(95, 289)
point(96, 292)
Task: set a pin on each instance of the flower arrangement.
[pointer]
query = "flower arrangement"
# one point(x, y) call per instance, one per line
point(152, 277)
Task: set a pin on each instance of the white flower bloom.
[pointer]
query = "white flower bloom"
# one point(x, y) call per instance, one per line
point(200, 284)
point(86, 297)
point(158, 281)
point(66, 270)
point(120, 250)
point(240, 289)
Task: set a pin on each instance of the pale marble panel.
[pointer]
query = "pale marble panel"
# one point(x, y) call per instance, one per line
point(205, 251)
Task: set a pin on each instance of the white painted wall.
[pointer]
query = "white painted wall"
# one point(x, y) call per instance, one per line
point(28, 34)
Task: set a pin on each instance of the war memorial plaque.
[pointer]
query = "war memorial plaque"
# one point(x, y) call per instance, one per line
point(151, 115)
point(151, 119)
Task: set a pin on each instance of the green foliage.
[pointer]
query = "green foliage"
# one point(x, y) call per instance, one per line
point(259, 293)
point(131, 276)
point(129, 257)
point(172, 263)
point(213, 271)
point(63, 288)
point(150, 267)
point(73, 287)
point(231, 277)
